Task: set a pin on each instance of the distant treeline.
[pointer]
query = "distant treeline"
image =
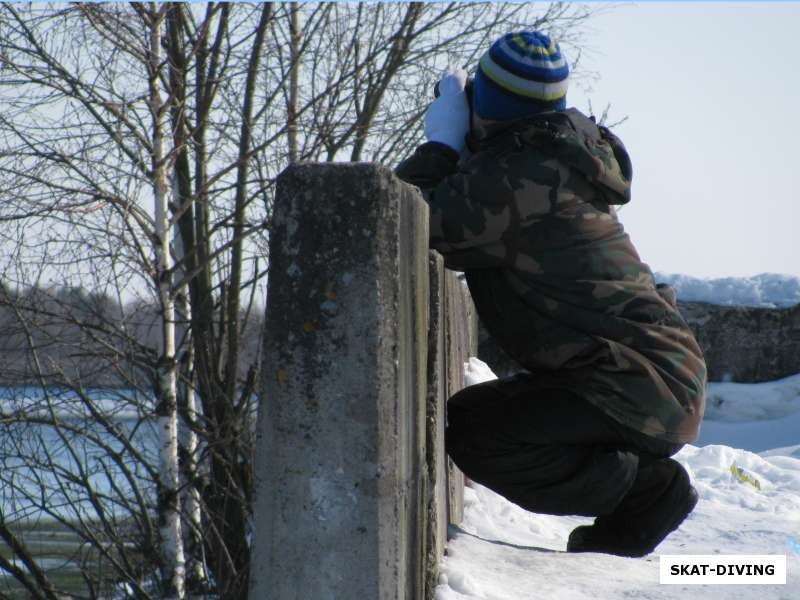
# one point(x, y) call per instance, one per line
point(58, 335)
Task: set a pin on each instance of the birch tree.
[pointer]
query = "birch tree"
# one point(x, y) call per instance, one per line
point(166, 409)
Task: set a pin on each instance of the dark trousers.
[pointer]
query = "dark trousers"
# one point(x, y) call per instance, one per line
point(546, 449)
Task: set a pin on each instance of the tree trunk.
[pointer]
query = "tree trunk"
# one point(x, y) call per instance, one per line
point(191, 496)
point(294, 57)
point(167, 410)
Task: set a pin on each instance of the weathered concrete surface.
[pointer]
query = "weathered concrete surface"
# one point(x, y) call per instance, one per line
point(340, 456)
point(742, 344)
point(366, 338)
point(746, 344)
point(461, 342)
point(452, 339)
point(436, 461)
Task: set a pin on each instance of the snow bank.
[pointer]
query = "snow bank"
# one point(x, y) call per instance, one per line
point(739, 402)
point(754, 416)
point(502, 552)
point(66, 404)
point(767, 290)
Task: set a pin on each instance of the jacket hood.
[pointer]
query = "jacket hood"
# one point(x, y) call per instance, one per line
point(572, 138)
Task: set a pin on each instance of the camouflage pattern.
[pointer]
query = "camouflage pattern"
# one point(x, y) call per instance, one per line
point(529, 217)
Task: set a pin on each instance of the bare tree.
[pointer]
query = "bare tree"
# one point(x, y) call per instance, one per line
point(74, 463)
point(167, 409)
point(139, 146)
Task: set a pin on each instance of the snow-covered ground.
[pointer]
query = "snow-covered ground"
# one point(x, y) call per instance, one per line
point(501, 552)
point(766, 290)
point(760, 417)
point(34, 401)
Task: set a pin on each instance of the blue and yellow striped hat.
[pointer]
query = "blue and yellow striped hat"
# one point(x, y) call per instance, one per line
point(523, 73)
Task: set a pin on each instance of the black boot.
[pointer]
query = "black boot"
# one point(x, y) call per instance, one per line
point(660, 499)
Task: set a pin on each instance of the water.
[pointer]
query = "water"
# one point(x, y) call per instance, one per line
point(67, 456)
point(70, 465)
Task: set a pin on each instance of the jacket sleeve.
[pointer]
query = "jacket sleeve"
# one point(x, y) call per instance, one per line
point(474, 219)
point(430, 163)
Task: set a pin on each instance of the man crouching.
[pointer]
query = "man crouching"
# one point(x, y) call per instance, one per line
point(522, 193)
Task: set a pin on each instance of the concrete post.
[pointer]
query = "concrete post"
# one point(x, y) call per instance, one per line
point(366, 338)
point(452, 340)
point(461, 342)
point(436, 461)
point(341, 432)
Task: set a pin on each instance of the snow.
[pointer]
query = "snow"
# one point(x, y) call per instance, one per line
point(476, 371)
point(502, 552)
point(757, 416)
point(768, 290)
point(34, 401)
point(741, 402)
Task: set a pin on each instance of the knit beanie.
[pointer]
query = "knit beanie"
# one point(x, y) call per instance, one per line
point(523, 73)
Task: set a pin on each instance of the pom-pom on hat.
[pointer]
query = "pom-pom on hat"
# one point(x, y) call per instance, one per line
point(523, 73)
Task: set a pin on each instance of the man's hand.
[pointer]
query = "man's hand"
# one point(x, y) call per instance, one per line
point(447, 119)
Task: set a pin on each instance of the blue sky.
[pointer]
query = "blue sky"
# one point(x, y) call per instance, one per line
point(712, 95)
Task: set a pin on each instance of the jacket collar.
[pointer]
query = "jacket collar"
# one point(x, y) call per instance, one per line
point(485, 132)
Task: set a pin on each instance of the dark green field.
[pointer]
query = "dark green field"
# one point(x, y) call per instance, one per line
point(60, 553)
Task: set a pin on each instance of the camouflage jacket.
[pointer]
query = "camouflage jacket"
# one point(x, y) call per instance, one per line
point(529, 218)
